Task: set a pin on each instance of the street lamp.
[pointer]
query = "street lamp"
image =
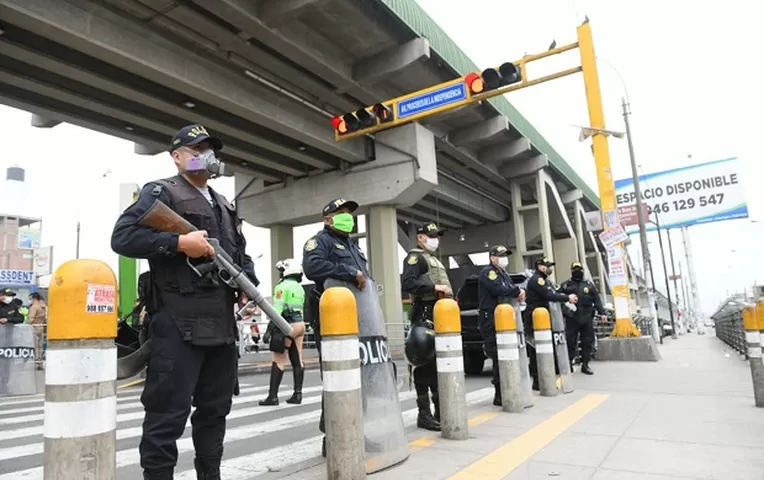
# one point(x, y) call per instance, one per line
point(105, 174)
point(665, 274)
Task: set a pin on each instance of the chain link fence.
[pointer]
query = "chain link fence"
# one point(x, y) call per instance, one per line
point(728, 321)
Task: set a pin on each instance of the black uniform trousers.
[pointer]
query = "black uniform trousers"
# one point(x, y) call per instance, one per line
point(179, 372)
point(575, 329)
point(425, 376)
point(487, 328)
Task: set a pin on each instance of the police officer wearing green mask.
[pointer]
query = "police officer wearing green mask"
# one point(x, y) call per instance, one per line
point(331, 253)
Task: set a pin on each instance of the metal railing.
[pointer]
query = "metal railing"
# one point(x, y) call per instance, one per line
point(728, 321)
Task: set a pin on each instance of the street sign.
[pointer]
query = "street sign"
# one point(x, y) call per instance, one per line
point(628, 214)
point(431, 100)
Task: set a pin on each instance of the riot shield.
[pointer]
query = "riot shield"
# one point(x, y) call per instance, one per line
point(525, 374)
point(384, 434)
point(561, 347)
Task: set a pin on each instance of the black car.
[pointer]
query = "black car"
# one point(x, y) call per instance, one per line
point(472, 340)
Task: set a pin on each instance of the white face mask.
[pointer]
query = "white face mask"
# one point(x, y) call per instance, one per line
point(7, 300)
point(503, 262)
point(432, 244)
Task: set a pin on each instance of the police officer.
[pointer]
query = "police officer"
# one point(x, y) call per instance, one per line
point(581, 322)
point(331, 253)
point(193, 352)
point(494, 288)
point(425, 279)
point(9, 310)
point(289, 301)
point(540, 293)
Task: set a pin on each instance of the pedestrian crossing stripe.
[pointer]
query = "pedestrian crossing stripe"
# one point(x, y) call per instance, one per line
point(26, 443)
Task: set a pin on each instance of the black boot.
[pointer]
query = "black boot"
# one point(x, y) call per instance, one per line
point(425, 420)
point(298, 372)
point(585, 368)
point(207, 468)
point(164, 474)
point(436, 405)
point(299, 375)
point(535, 385)
point(273, 391)
point(497, 395)
point(323, 447)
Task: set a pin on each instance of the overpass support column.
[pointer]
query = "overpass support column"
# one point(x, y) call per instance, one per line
point(282, 246)
point(382, 234)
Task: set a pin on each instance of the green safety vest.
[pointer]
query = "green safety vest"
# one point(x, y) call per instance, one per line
point(289, 295)
point(436, 272)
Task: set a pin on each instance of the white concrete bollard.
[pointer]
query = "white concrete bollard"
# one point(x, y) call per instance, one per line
point(80, 417)
point(449, 359)
point(341, 366)
point(509, 359)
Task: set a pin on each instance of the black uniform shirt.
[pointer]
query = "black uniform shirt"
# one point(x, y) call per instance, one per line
point(11, 312)
point(135, 241)
point(540, 292)
point(331, 255)
point(588, 299)
point(495, 287)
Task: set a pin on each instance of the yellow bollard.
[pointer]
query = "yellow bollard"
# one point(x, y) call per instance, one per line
point(509, 359)
point(449, 360)
point(341, 367)
point(751, 316)
point(542, 335)
point(80, 419)
point(760, 321)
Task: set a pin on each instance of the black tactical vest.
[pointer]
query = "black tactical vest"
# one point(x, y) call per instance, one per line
point(202, 308)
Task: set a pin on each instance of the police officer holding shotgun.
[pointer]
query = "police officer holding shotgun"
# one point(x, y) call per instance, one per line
point(192, 331)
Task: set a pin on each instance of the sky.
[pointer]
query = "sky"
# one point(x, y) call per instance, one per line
point(684, 66)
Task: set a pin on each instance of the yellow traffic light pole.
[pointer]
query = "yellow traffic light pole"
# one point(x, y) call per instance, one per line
point(624, 326)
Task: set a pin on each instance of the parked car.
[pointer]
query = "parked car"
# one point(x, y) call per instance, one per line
point(472, 340)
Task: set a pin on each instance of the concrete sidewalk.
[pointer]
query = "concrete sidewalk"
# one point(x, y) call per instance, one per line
point(689, 416)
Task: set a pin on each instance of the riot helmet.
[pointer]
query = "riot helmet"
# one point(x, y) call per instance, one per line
point(420, 345)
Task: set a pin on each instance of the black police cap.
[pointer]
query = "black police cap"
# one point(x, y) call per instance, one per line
point(7, 292)
point(544, 261)
point(430, 229)
point(499, 251)
point(194, 135)
point(339, 203)
point(576, 266)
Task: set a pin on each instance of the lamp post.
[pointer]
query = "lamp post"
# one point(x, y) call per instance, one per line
point(665, 274)
point(105, 174)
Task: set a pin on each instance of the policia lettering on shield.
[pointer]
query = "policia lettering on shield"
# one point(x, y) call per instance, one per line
point(425, 279)
point(193, 355)
point(495, 288)
point(331, 253)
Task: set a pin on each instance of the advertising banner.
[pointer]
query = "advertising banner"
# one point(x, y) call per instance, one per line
point(704, 193)
point(29, 237)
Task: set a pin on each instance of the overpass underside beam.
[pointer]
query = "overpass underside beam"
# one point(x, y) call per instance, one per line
point(38, 121)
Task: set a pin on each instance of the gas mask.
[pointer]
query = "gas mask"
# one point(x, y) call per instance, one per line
point(503, 262)
point(206, 161)
point(432, 244)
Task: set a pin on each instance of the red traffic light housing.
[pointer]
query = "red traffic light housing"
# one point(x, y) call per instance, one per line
point(474, 83)
point(507, 74)
point(362, 119)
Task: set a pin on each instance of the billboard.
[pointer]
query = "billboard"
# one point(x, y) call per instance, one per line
point(43, 261)
point(704, 193)
point(29, 238)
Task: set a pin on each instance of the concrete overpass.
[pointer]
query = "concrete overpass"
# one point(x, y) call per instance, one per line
point(267, 75)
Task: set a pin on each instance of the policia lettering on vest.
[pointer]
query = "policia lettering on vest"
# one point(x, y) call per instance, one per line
point(192, 328)
point(425, 279)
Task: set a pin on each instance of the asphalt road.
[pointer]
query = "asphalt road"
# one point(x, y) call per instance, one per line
point(260, 441)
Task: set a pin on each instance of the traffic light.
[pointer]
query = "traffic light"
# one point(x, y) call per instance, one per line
point(362, 119)
point(493, 78)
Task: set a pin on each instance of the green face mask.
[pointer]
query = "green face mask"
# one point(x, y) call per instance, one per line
point(343, 222)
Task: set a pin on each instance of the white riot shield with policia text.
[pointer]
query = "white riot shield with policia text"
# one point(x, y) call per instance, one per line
point(561, 347)
point(525, 374)
point(384, 433)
